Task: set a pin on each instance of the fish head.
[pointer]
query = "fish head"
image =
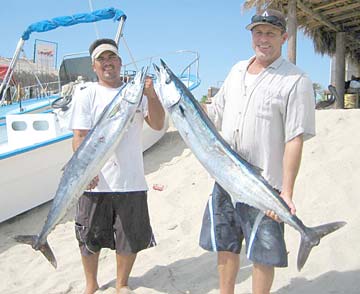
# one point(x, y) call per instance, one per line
point(134, 89)
point(140, 76)
point(166, 86)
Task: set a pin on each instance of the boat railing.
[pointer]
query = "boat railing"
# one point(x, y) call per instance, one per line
point(35, 91)
point(78, 65)
point(187, 62)
point(186, 74)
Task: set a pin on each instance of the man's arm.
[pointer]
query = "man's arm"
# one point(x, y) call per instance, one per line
point(78, 138)
point(156, 113)
point(291, 165)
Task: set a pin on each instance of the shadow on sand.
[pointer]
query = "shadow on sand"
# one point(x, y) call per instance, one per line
point(168, 147)
point(332, 282)
point(170, 279)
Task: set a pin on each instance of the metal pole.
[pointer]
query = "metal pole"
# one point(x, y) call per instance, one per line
point(5, 83)
point(95, 26)
point(120, 29)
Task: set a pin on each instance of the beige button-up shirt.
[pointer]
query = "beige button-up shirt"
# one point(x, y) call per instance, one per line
point(258, 120)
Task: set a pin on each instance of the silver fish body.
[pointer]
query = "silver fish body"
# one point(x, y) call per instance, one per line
point(89, 158)
point(240, 179)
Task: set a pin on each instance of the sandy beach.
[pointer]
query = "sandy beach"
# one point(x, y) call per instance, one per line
point(327, 189)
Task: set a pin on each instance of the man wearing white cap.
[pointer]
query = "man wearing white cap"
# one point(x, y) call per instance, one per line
point(113, 212)
point(264, 110)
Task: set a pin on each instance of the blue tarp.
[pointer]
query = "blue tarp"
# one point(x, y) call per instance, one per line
point(64, 21)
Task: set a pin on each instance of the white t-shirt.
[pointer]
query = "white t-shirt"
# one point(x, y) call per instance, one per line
point(259, 119)
point(124, 171)
point(249, 80)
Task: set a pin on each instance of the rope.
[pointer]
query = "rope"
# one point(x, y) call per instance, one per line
point(130, 54)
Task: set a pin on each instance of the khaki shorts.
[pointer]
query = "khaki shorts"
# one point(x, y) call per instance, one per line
point(117, 221)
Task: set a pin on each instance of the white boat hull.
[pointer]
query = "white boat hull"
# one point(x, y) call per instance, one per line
point(30, 178)
point(30, 175)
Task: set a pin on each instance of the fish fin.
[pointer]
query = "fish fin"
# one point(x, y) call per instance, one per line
point(26, 239)
point(114, 110)
point(312, 238)
point(44, 248)
point(47, 252)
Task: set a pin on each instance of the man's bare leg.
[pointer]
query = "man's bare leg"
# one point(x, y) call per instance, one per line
point(90, 265)
point(262, 278)
point(124, 267)
point(228, 266)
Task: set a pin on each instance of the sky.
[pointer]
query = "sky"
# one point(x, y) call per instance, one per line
point(213, 29)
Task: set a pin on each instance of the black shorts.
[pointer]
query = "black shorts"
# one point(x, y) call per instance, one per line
point(117, 221)
point(224, 228)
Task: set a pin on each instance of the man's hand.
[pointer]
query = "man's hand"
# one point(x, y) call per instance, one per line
point(156, 114)
point(289, 202)
point(149, 90)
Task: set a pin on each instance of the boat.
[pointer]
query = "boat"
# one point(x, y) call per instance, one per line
point(35, 142)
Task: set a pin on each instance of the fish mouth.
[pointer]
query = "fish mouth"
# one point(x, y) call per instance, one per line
point(167, 85)
point(156, 69)
point(144, 71)
point(168, 71)
point(162, 72)
point(141, 76)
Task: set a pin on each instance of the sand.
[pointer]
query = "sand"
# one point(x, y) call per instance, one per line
point(327, 189)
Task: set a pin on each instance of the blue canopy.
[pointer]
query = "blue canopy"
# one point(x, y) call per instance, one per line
point(64, 21)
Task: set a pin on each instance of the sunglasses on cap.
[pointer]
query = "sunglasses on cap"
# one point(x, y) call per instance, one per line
point(271, 19)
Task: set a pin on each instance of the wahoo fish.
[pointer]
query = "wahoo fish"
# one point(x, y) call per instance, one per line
point(238, 177)
point(89, 158)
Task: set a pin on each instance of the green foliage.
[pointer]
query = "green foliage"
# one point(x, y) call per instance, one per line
point(317, 88)
point(203, 99)
point(318, 92)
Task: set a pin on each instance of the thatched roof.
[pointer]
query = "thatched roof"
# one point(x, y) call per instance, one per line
point(322, 19)
point(24, 65)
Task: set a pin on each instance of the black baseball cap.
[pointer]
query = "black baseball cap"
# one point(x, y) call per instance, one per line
point(268, 17)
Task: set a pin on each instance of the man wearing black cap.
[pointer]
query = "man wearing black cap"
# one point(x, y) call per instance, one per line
point(113, 212)
point(264, 110)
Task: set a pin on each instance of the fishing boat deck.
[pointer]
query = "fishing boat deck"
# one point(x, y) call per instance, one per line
point(29, 105)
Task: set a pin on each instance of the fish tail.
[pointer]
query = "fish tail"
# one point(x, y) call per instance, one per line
point(312, 237)
point(44, 248)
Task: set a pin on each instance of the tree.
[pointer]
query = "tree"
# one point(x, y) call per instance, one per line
point(203, 99)
point(318, 92)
